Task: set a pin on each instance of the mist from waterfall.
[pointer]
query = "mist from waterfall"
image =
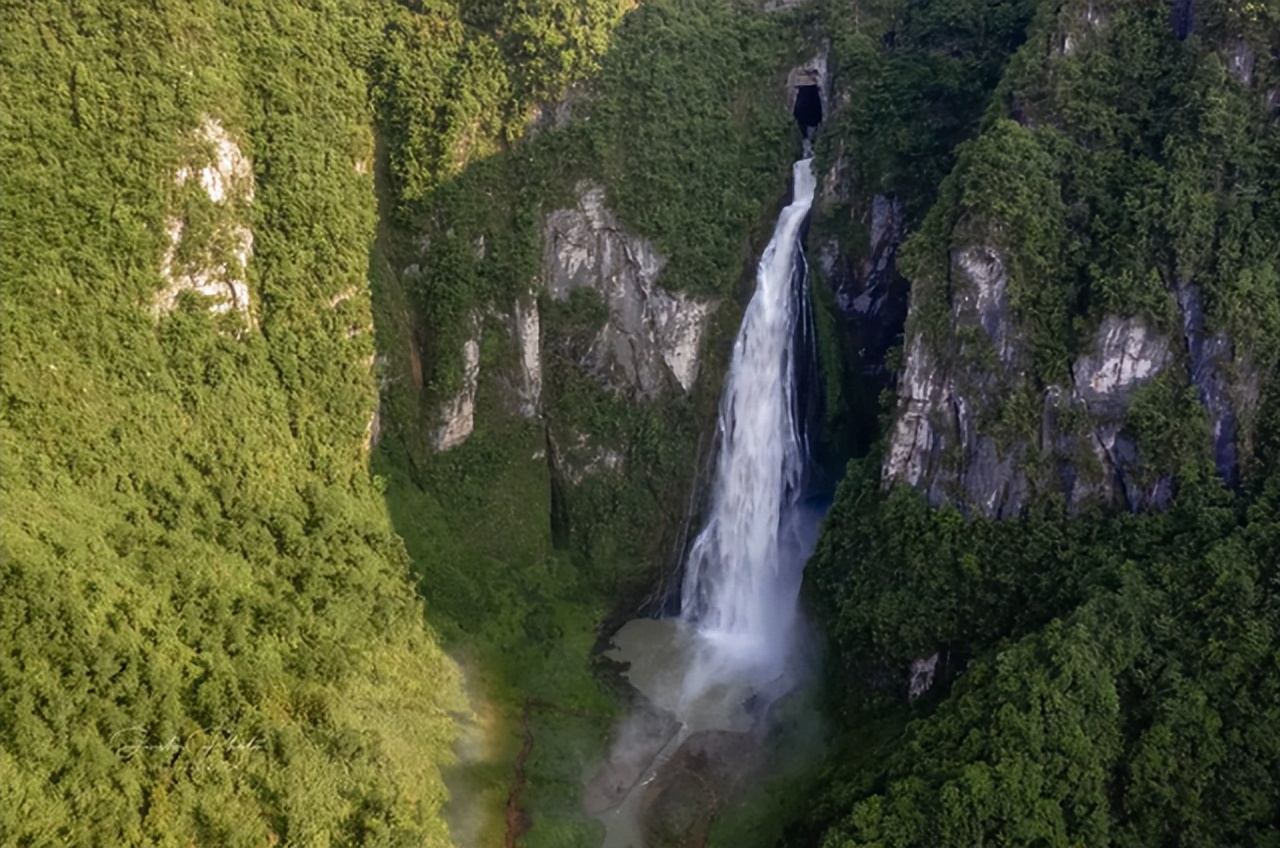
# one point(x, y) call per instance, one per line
point(742, 577)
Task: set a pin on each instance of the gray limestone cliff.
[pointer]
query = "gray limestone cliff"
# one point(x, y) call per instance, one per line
point(649, 343)
point(973, 428)
point(869, 292)
point(947, 437)
point(855, 240)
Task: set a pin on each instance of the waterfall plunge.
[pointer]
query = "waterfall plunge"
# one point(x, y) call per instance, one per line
point(743, 574)
point(729, 652)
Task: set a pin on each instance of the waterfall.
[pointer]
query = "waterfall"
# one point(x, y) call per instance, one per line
point(742, 577)
point(732, 650)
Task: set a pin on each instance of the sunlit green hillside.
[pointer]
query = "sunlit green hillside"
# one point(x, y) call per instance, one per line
point(209, 634)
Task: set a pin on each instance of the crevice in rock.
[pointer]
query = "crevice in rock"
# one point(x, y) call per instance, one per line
point(560, 524)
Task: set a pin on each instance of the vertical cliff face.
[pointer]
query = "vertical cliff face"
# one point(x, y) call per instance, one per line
point(650, 339)
point(1227, 385)
point(889, 138)
point(945, 437)
point(1092, 291)
point(869, 291)
point(1124, 355)
point(953, 435)
point(556, 315)
point(556, 308)
point(855, 245)
point(639, 343)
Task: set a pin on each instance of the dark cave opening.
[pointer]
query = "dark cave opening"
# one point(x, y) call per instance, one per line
point(808, 109)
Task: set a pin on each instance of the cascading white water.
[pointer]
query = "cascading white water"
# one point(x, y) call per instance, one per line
point(743, 573)
point(728, 652)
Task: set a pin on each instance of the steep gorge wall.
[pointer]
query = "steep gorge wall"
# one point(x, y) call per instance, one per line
point(209, 631)
point(1028, 581)
point(568, 301)
point(553, 325)
point(1092, 290)
point(214, 529)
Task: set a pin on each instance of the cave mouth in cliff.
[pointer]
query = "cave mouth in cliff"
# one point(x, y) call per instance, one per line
point(808, 109)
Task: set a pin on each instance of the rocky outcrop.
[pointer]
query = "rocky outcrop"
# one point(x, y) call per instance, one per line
point(940, 440)
point(651, 338)
point(579, 457)
point(219, 272)
point(649, 343)
point(551, 116)
point(1079, 21)
point(1239, 58)
point(1126, 353)
point(924, 393)
point(920, 678)
point(985, 303)
point(958, 436)
point(527, 333)
point(457, 416)
point(768, 6)
point(869, 291)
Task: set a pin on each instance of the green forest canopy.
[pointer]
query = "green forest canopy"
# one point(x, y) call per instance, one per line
point(208, 630)
point(1103, 679)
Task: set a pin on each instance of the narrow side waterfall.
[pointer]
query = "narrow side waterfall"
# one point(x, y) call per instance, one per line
point(743, 574)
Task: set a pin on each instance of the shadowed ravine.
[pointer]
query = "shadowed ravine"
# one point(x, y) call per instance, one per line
point(711, 674)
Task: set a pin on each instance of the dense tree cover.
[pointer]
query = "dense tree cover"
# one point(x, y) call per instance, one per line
point(686, 127)
point(1137, 163)
point(692, 133)
point(1123, 683)
point(911, 81)
point(454, 81)
point(208, 634)
point(685, 124)
point(918, 77)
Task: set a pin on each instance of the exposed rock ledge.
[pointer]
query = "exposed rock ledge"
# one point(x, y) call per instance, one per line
point(937, 443)
point(1126, 353)
point(457, 417)
point(226, 176)
point(652, 336)
point(947, 439)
